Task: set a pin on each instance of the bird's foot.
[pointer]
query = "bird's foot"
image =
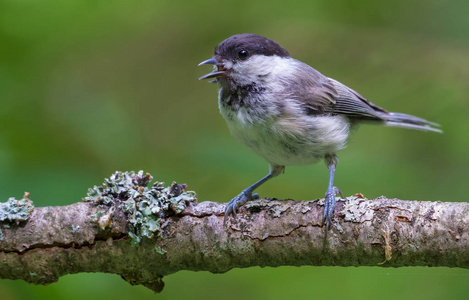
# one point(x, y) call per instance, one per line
point(237, 202)
point(329, 205)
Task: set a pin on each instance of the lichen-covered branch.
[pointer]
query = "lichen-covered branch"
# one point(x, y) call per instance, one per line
point(55, 241)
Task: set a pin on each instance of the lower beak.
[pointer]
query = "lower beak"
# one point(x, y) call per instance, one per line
point(219, 73)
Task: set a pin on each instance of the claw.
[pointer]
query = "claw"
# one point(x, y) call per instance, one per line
point(237, 202)
point(329, 205)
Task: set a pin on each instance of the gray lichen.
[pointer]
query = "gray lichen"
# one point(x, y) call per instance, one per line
point(357, 210)
point(144, 207)
point(15, 211)
point(75, 229)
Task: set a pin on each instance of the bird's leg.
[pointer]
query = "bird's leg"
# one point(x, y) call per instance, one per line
point(332, 191)
point(246, 195)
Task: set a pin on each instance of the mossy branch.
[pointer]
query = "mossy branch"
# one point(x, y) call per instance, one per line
point(56, 241)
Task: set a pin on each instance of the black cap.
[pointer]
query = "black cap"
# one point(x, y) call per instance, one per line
point(252, 43)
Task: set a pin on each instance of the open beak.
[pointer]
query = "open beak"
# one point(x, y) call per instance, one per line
point(220, 72)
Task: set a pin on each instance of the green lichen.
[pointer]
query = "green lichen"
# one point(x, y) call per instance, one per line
point(99, 214)
point(160, 250)
point(144, 206)
point(15, 211)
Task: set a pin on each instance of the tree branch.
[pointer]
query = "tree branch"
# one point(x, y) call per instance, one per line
point(56, 241)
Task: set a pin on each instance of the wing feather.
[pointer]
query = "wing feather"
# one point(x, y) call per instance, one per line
point(323, 95)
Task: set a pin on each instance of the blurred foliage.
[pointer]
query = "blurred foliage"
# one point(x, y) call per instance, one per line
point(90, 87)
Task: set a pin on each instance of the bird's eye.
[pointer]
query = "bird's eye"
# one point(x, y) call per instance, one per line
point(243, 54)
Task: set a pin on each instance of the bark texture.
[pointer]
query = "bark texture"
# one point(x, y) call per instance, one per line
point(56, 241)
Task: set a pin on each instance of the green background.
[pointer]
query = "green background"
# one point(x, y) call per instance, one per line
point(90, 87)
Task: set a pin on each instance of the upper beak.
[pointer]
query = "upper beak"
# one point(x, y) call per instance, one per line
point(213, 61)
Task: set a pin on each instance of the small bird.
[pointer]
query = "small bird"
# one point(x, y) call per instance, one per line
point(289, 113)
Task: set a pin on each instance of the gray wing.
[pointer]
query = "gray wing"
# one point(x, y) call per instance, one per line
point(354, 105)
point(312, 89)
point(323, 95)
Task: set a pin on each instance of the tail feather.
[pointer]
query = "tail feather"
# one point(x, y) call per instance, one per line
point(409, 121)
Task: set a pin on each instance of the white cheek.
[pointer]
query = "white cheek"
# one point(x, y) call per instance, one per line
point(228, 64)
point(282, 65)
point(259, 66)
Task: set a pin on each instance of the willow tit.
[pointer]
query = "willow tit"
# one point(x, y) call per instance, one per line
point(289, 113)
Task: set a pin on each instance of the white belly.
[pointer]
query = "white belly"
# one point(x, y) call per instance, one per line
point(290, 141)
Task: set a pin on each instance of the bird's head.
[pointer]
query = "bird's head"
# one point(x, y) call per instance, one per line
point(243, 58)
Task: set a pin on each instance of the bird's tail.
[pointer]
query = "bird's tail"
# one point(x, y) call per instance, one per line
point(408, 121)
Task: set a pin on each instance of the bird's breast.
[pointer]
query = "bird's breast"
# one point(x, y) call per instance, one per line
point(279, 130)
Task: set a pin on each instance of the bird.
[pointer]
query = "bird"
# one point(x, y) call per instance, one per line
point(289, 113)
